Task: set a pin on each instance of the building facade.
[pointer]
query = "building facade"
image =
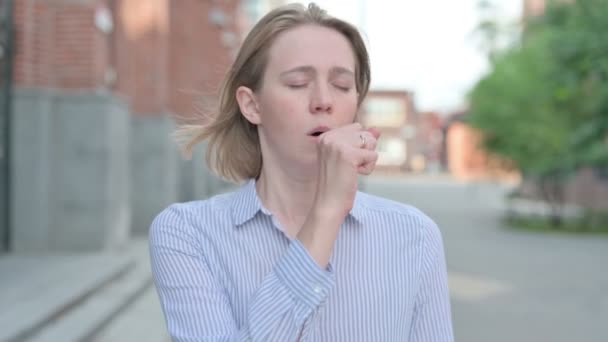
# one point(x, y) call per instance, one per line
point(96, 90)
point(533, 8)
point(430, 142)
point(393, 113)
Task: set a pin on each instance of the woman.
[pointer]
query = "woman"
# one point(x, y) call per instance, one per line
point(297, 253)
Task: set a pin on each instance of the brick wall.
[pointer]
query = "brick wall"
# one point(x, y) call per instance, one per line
point(199, 50)
point(467, 160)
point(429, 138)
point(141, 49)
point(170, 52)
point(161, 54)
point(534, 7)
point(57, 45)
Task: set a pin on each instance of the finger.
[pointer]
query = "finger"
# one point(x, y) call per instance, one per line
point(367, 140)
point(363, 157)
point(366, 169)
point(374, 131)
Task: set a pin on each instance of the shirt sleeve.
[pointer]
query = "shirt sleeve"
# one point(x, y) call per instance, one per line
point(432, 319)
point(196, 306)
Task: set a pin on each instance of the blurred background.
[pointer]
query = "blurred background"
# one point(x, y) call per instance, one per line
point(495, 123)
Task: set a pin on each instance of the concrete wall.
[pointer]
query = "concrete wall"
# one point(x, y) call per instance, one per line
point(70, 171)
point(204, 182)
point(196, 180)
point(160, 175)
point(87, 174)
point(155, 170)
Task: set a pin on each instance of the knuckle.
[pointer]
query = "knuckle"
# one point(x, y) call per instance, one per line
point(326, 141)
point(340, 152)
point(373, 143)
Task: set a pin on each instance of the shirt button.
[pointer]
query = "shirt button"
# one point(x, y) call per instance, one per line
point(317, 289)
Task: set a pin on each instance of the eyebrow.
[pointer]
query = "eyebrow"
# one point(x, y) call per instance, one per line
point(307, 69)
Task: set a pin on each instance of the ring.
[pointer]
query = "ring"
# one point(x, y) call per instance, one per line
point(363, 141)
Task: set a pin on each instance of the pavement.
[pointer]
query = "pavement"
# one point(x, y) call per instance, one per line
point(505, 285)
point(70, 296)
point(142, 321)
point(510, 285)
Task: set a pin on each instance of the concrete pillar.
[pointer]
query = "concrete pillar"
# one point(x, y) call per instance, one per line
point(70, 185)
point(154, 169)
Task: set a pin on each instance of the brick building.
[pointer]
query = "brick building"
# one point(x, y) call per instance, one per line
point(466, 159)
point(429, 137)
point(394, 114)
point(533, 8)
point(96, 84)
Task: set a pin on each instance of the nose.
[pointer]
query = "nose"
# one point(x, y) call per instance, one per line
point(321, 101)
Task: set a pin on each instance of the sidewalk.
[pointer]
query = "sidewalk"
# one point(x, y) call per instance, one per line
point(141, 321)
point(69, 297)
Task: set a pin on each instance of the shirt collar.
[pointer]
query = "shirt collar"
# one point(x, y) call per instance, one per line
point(246, 204)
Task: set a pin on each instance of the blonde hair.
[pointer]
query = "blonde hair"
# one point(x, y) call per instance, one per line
point(233, 150)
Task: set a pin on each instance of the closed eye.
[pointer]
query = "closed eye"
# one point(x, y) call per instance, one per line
point(296, 86)
point(344, 89)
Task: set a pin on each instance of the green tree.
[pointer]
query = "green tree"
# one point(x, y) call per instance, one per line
point(580, 51)
point(545, 103)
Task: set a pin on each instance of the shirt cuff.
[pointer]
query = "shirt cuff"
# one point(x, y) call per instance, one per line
point(307, 282)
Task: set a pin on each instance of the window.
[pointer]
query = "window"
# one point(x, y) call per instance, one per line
point(385, 112)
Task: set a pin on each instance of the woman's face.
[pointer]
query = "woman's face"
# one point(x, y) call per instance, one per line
point(309, 83)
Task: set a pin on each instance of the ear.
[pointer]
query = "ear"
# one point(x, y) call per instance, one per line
point(248, 105)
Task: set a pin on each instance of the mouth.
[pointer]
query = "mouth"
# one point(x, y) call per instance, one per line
point(317, 131)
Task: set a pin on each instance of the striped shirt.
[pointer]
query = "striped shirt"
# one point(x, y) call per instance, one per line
point(225, 271)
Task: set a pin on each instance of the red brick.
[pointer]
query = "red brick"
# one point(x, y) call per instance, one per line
point(158, 49)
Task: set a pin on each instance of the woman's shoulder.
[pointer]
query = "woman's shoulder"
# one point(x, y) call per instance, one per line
point(194, 210)
point(388, 206)
point(405, 214)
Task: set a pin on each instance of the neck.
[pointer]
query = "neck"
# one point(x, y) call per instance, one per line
point(287, 196)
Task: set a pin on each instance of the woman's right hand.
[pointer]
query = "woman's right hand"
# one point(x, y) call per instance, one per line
point(342, 156)
point(344, 153)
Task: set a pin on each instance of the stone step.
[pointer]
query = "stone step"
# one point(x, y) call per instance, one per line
point(93, 314)
point(35, 290)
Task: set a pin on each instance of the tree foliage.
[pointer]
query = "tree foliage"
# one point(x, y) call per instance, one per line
point(544, 105)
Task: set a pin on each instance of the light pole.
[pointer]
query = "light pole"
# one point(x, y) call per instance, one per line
point(6, 74)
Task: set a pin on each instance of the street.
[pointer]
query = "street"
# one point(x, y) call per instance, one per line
point(510, 285)
point(505, 285)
